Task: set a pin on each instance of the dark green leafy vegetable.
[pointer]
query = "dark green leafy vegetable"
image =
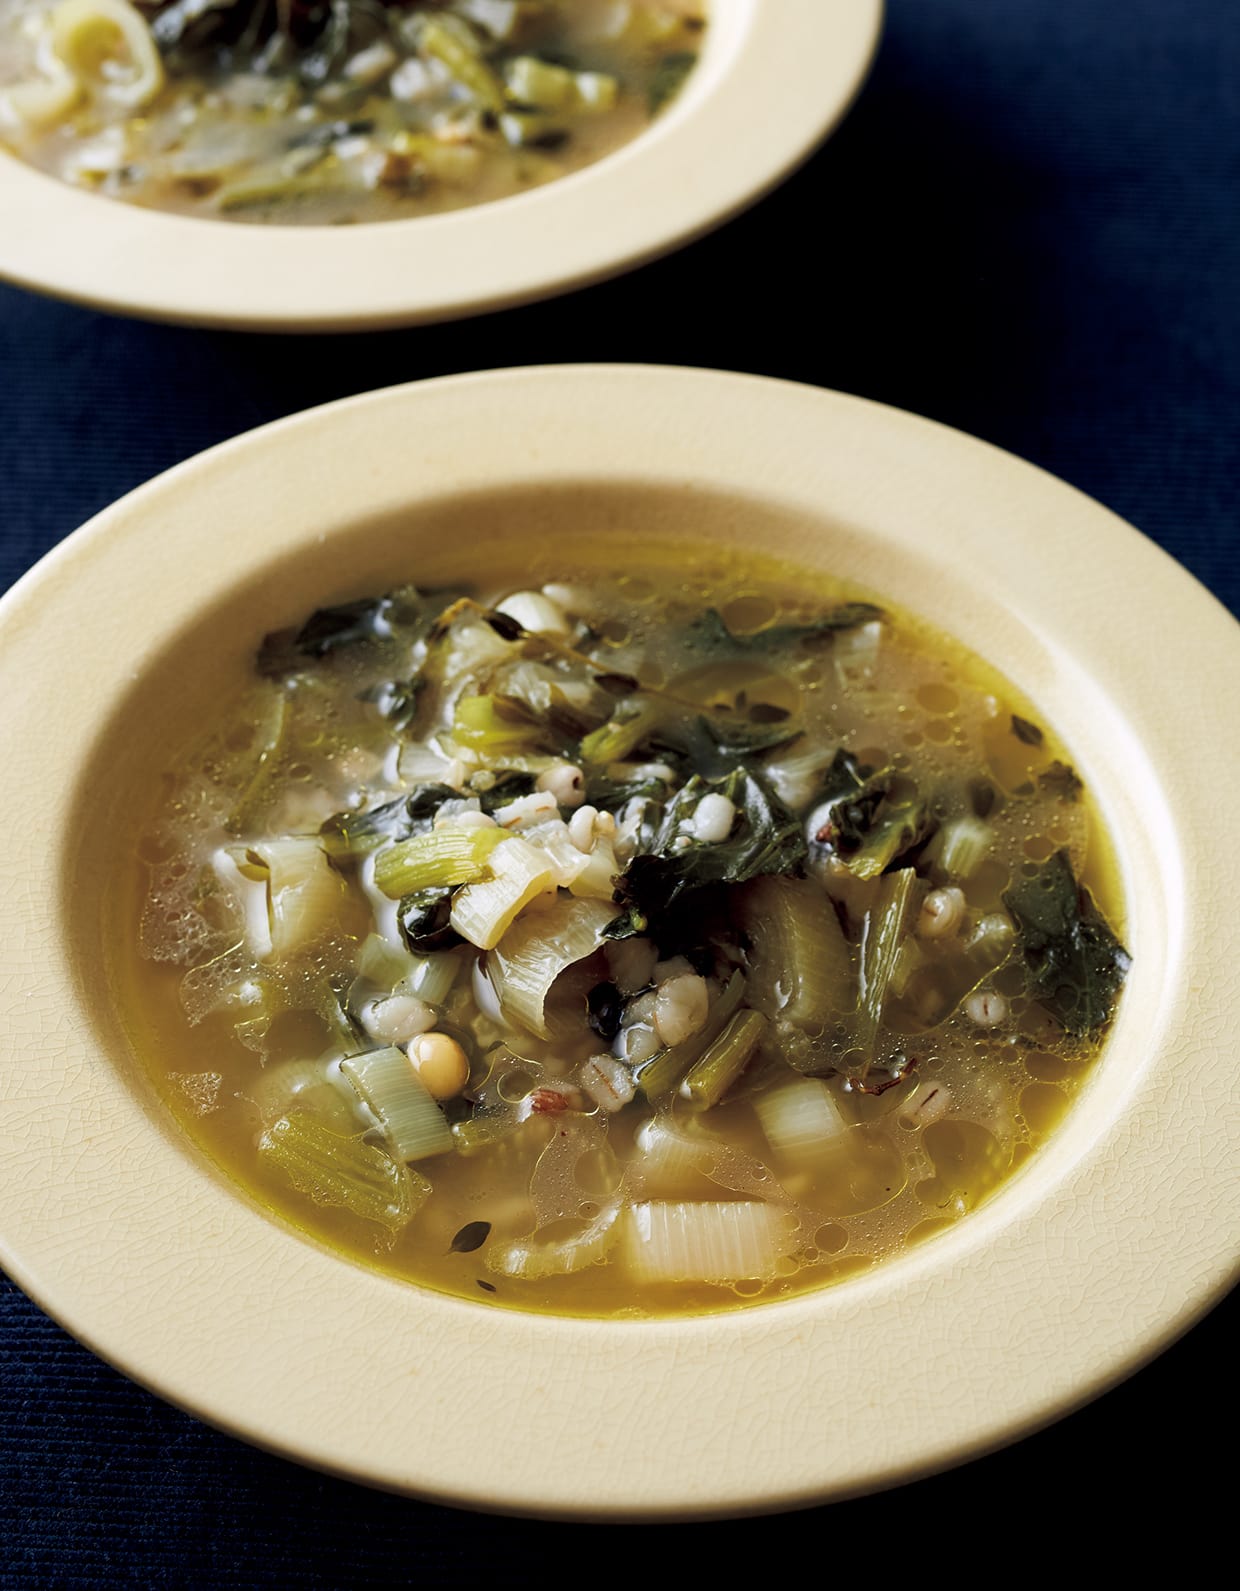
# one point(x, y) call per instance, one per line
point(661, 728)
point(328, 630)
point(424, 919)
point(357, 833)
point(1061, 779)
point(1077, 964)
point(507, 787)
point(711, 634)
point(470, 1238)
point(871, 820)
point(765, 838)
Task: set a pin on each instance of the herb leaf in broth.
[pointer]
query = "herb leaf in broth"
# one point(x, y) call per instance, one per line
point(710, 633)
point(764, 838)
point(868, 819)
point(1077, 964)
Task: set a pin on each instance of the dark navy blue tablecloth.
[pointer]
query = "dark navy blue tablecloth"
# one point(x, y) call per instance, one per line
point(1029, 228)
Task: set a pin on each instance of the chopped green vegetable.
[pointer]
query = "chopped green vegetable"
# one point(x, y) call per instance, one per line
point(869, 819)
point(1077, 963)
point(710, 633)
point(343, 1172)
point(767, 838)
point(447, 855)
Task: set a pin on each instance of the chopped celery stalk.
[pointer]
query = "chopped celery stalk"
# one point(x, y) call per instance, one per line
point(802, 1119)
point(454, 44)
point(660, 1075)
point(444, 856)
point(305, 896)
point(624, 731)
point(801, 966)
point(531, 1259)
point(887, 926)
point(343, 1171)
point(963, 845)
point(668, 1162)
point(709, 1079)
point(483, 913)
point(566, 860)
point(706, 1242)
point(494, 725)
point(252, 193)
point(412, 1122)
point(545, 86)
point(384, 964)
point(598, 878)
point(433, 976)
point(540, 84)
point(536, 950)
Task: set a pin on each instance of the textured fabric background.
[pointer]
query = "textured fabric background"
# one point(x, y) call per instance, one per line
point(1028, 228)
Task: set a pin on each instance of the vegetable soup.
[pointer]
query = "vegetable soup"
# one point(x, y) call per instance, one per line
point(332, 111)
point(621, 944)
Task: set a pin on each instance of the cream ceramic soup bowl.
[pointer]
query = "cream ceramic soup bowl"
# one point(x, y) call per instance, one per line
point(1077, 1270)
point(774, 78)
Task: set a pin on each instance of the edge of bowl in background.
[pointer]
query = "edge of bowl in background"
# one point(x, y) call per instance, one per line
point(773, 81)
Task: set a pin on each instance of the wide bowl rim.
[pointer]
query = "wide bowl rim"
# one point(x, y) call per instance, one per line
point(1117, 1268)
point(802, 63)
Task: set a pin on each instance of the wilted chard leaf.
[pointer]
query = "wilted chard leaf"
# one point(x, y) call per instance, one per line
point(868, 819)
point(765, 838)
point(710, 633)
point(1077, 964)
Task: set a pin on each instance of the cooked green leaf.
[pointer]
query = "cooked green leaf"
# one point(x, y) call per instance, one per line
point(350, 624)
point(766, 838)
point(1077, 964)
point(710, 633)
point(357, 833)
point(424, 918)
point(1061, 779)
point(870, 820)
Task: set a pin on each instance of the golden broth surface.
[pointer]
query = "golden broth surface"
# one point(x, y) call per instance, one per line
point(962, 1092)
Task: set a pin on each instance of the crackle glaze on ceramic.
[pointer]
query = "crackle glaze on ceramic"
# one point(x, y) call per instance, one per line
point(774, 78)
point(1080, 1267)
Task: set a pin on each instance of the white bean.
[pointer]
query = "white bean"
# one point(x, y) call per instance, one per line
point(712, 818)
point(581, 828)
point(565, 782)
